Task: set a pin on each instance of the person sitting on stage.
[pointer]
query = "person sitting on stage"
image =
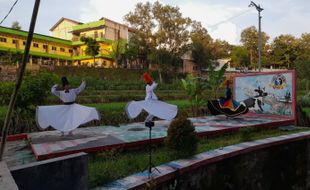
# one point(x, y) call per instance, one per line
point(69, 116)
point(227, 105)
point(151, 104)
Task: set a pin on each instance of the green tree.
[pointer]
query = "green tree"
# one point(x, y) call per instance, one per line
point(204, 48)
point(131, 54)
point(141, 20)
point(118, 51)
point(285, 50)
point(165, 61)
point(172, 33)
point(220, 49)
point(201, 46)
point(15, 25)
point(303, 70)
point(304, 47)
point(249, 38)
point(240, 57)
point(159, 27)
point(92, 48)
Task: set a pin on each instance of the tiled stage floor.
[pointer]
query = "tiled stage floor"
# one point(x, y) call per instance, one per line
point(50, 144)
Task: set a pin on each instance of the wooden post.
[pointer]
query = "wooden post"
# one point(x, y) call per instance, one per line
point(19, 80)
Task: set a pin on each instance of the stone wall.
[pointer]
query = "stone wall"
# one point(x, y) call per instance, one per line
point(63, 173)
point(274, 163)
point(279, 167)
point(7, 73)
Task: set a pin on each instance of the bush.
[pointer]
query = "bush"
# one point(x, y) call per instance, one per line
point(304, 101)
point(181, 138)
point(33, 92)
point(6, 89)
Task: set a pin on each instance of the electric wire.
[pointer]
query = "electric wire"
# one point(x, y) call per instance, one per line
point(9, 12)
point(230, 18)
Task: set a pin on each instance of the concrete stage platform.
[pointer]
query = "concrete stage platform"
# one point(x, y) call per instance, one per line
point(49, 144)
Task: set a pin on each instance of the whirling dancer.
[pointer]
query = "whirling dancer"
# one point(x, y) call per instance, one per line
point(227, 106)
point(69, 116)
point(151, 104)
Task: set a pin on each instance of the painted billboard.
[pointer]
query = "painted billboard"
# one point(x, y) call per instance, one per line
point(267, 93)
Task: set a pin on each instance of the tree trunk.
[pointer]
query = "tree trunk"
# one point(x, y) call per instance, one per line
point(160, 76)
point(251, 57)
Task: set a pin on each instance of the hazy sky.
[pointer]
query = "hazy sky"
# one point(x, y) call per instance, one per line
point(224, 19)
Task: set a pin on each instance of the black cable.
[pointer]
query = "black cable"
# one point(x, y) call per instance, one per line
point(9, 12)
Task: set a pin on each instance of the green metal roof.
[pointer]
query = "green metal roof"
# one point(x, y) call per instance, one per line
point(35, 36)
point(42, 54)
point(89, 25)
point(108, 41)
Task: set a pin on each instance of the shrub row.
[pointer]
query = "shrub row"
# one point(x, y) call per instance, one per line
point(112, 98)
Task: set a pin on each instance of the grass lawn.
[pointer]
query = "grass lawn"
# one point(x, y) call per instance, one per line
point(114, 106)
point(109, 166)
point(120, 106)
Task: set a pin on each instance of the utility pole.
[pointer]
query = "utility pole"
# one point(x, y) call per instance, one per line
point(259, 9)
point(19, 80)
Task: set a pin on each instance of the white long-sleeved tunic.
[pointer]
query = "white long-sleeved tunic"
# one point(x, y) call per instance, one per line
point(149, 89)
point(152, 106)
point(65, 117)
point(70, 95)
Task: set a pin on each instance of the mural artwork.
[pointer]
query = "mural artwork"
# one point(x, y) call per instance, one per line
point(266, 93)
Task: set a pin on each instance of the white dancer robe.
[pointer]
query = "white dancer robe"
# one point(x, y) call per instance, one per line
point(152, 106)
point(65, 117)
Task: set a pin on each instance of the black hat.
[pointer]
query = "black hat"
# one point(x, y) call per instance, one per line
point(64, 81)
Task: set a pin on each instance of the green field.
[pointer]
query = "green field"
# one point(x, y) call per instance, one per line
point(120, 106)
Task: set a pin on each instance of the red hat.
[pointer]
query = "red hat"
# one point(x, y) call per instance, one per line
point(147, 78)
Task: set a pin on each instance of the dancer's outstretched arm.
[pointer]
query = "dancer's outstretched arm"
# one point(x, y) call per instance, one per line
point(55, 91)
point(153, 86)
point(80, 88)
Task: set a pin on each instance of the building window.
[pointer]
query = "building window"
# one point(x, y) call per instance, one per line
point(96, 34)
point(62, 49)
point(54, 48)
point(35, 45)
point(2, 39)
point(24, 43)
point(14, 41)
point(45, 47)
point(70, 51)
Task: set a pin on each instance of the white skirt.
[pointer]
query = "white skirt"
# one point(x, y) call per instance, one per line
point(156, 108)
point(65, 117)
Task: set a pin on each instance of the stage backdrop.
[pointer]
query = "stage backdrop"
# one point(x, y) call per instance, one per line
point(267, 93)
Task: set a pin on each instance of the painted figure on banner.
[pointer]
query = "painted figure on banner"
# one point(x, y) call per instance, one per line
point(227, 105)
point(266, 94)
